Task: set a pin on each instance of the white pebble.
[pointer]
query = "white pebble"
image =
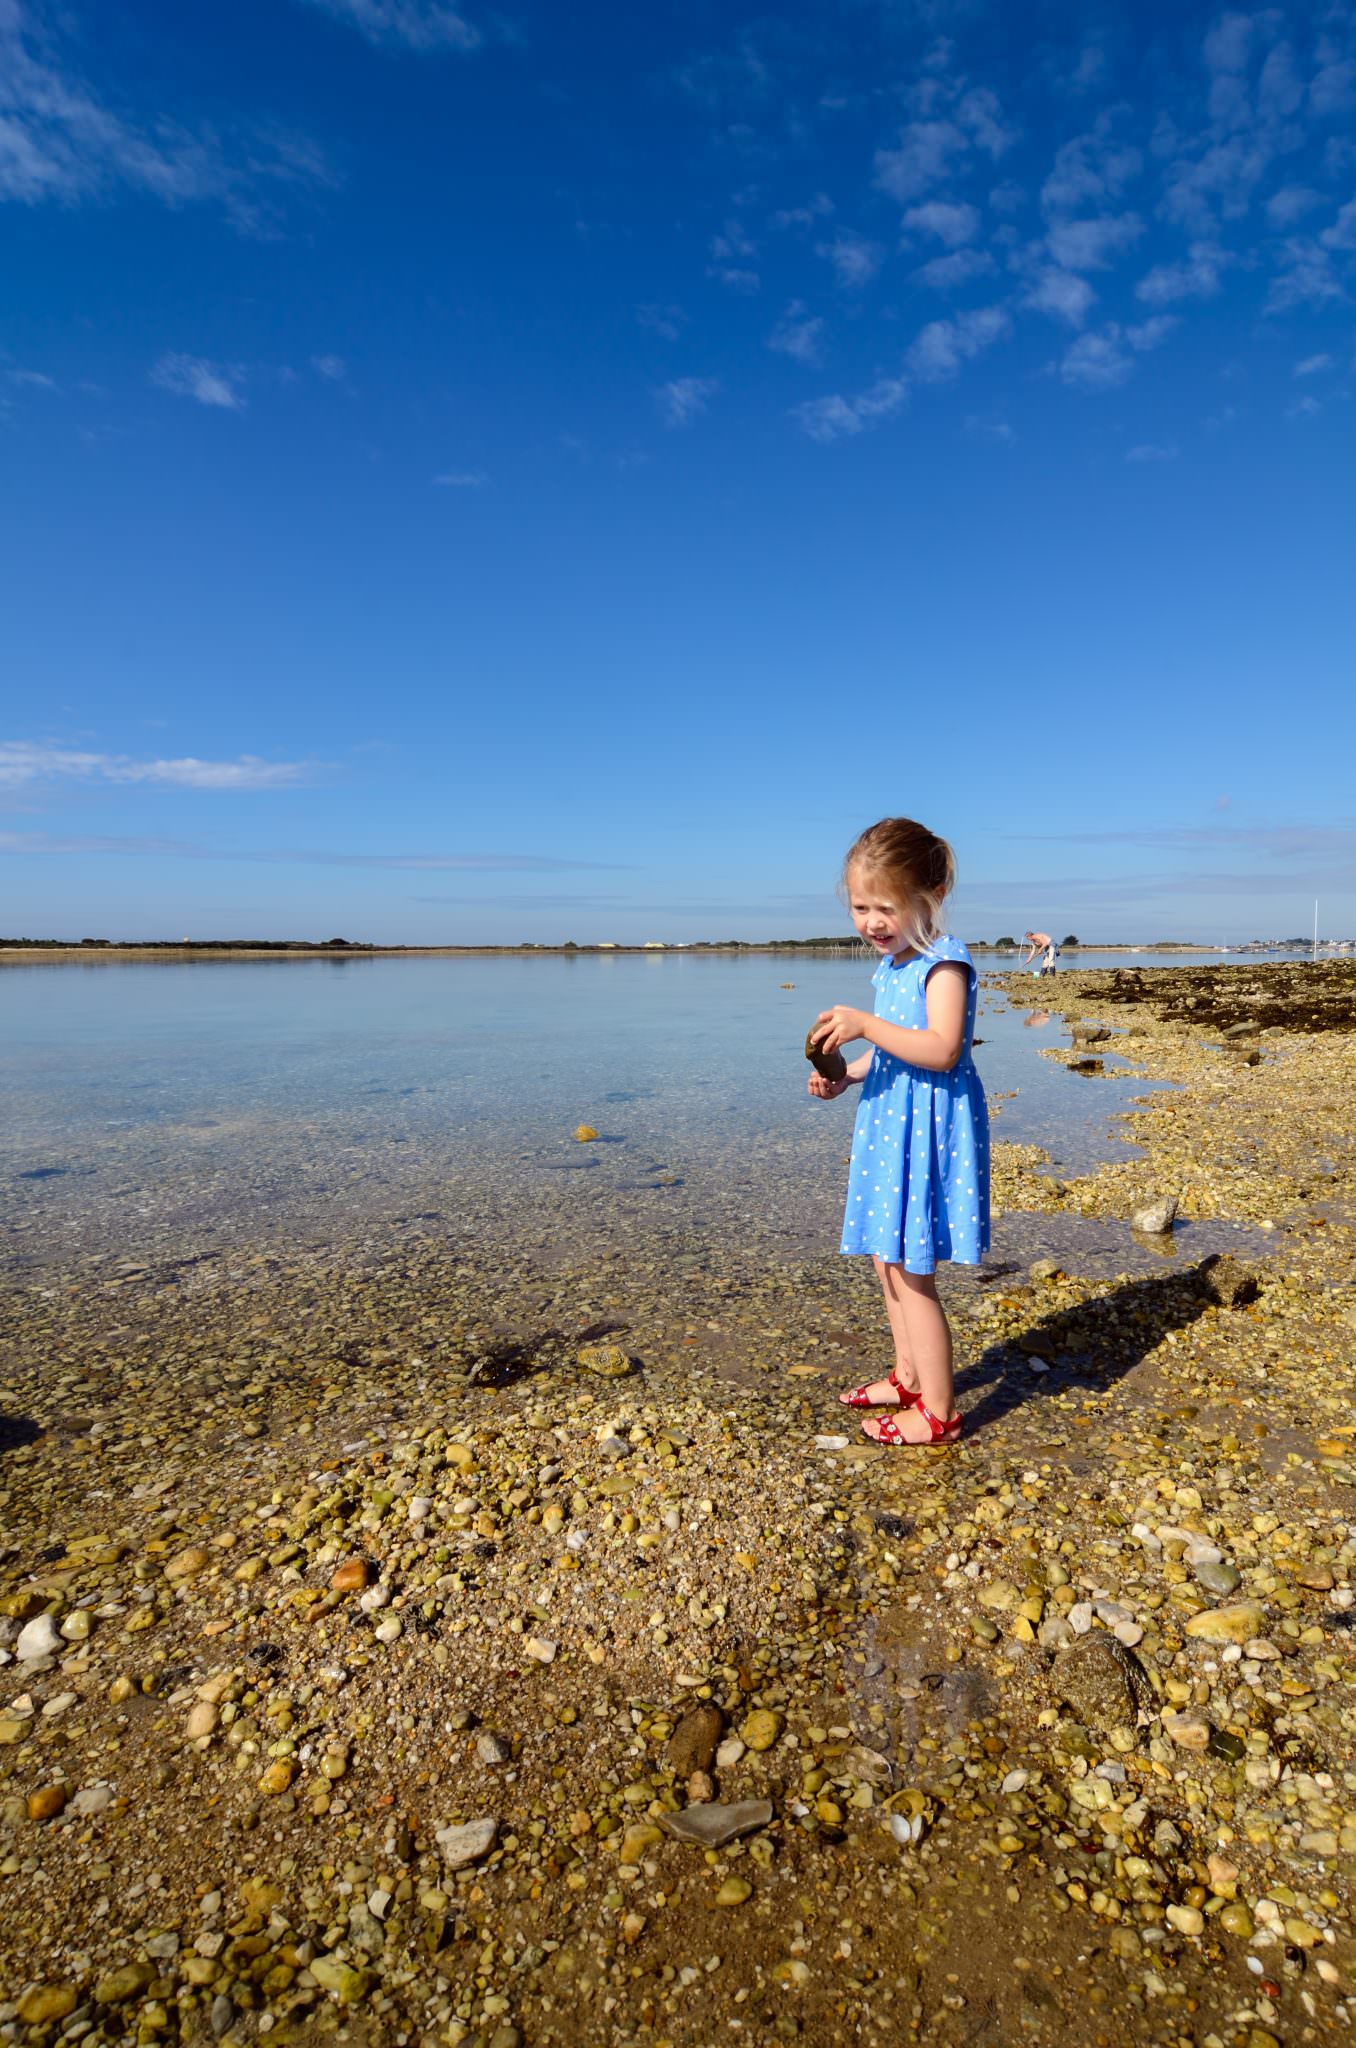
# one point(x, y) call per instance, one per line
point(38, 1638)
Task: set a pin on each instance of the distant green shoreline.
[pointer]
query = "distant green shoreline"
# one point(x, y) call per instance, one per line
point(343, 949)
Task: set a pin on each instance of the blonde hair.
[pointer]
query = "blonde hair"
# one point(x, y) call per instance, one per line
point(918, 869)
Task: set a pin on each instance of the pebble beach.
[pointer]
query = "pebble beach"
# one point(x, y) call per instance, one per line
point(405, 1639)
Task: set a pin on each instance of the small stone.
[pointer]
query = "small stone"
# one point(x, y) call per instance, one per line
point(1102, 1680)
point(710, 1826)
point(277, 1779)
point(540, 1648)
point(466, 1844)
point(493, 1749)
point(92, 1800)
point(38, 1638)
point(734, 1892)
point(47, 2002)
point(729, 1753)
point(694, 1742)
point(792, 1971)
point(584, 1134)
point(1236, 1624)
point(420, 1507)
point(637, 1842)
point(47, 1802)
point(353, 1574)
point(606, 1361)
point(188, 1563)
point(1186, 1919)
point(1218, 1576)
point(78, 1626)
point(1226, 1281)
point(1188, 1731)
point(701, 1788)
point(222, 2015)
point(124, 1983)
point(1156, 1217)
point(202, 1720)
point(341, 1979)
point(1235, 1919)
point(761, 1728)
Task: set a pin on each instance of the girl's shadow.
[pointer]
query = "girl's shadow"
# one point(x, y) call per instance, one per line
point(1089, 1344)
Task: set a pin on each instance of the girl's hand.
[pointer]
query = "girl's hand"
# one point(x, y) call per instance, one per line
point(838, 1027)
point(827, 1090)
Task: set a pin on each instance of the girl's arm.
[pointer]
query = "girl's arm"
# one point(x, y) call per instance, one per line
point(938, 1047)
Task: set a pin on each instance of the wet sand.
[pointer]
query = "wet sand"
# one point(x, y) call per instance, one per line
point(345, 1547)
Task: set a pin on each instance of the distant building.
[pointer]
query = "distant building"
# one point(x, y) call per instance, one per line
point(607, 945)
point(655, 946)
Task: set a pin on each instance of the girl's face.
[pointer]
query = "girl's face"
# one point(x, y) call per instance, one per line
point(878, 918)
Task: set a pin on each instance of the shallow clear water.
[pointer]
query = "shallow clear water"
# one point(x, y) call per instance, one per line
point(159, 1105)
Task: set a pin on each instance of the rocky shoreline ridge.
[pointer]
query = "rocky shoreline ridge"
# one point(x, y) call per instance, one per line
point(400, 1644)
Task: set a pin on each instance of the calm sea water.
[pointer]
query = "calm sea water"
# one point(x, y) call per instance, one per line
point(157, 1107)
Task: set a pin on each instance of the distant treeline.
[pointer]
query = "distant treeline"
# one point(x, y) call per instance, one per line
point(214, 945)
point(833, 943)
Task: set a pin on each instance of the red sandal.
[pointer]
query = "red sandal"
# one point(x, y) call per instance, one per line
point(858, 1397)
point(888, 1432)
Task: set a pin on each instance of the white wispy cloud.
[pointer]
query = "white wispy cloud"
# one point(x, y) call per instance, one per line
point(1291, 203)
point(1152, 451)
point(62, 140)
point(941, 348)
point(28, 761)
point(855, 260)
point(1307, 275)
point(1304, 409)
point(949, 273)
point(1105, 358)
point(1342, 233)
point(804, 216)
point(666, 321)
point(1197, 276)
point(798, 334)
point(214, 384)
point(836, 418)
point(990, 430)
point(1062, 294)
point(684, 399)
point(1310, 366)
point(333, 369)
point(36, 380)
point(417, 24)
point(461, 479)
point(1091, 169)
point(952, 221)
point(929, 150)
point(1091, 244)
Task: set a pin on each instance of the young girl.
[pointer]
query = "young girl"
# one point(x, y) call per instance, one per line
point(918, 1184)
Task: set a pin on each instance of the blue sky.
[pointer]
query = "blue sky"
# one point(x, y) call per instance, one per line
point(556, 473)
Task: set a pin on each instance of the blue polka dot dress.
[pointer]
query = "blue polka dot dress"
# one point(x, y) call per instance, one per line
point(918, 1184)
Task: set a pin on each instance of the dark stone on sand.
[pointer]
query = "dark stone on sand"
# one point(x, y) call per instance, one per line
point(1227, 1282)
point(693, 1743)
point(1102, 1680)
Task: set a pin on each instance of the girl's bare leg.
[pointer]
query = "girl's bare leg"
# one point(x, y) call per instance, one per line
point(928, 1335)
point(882, 1394)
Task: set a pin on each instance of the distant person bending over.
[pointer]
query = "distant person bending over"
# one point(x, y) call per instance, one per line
point(1042, 943)
point(918, 1182)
